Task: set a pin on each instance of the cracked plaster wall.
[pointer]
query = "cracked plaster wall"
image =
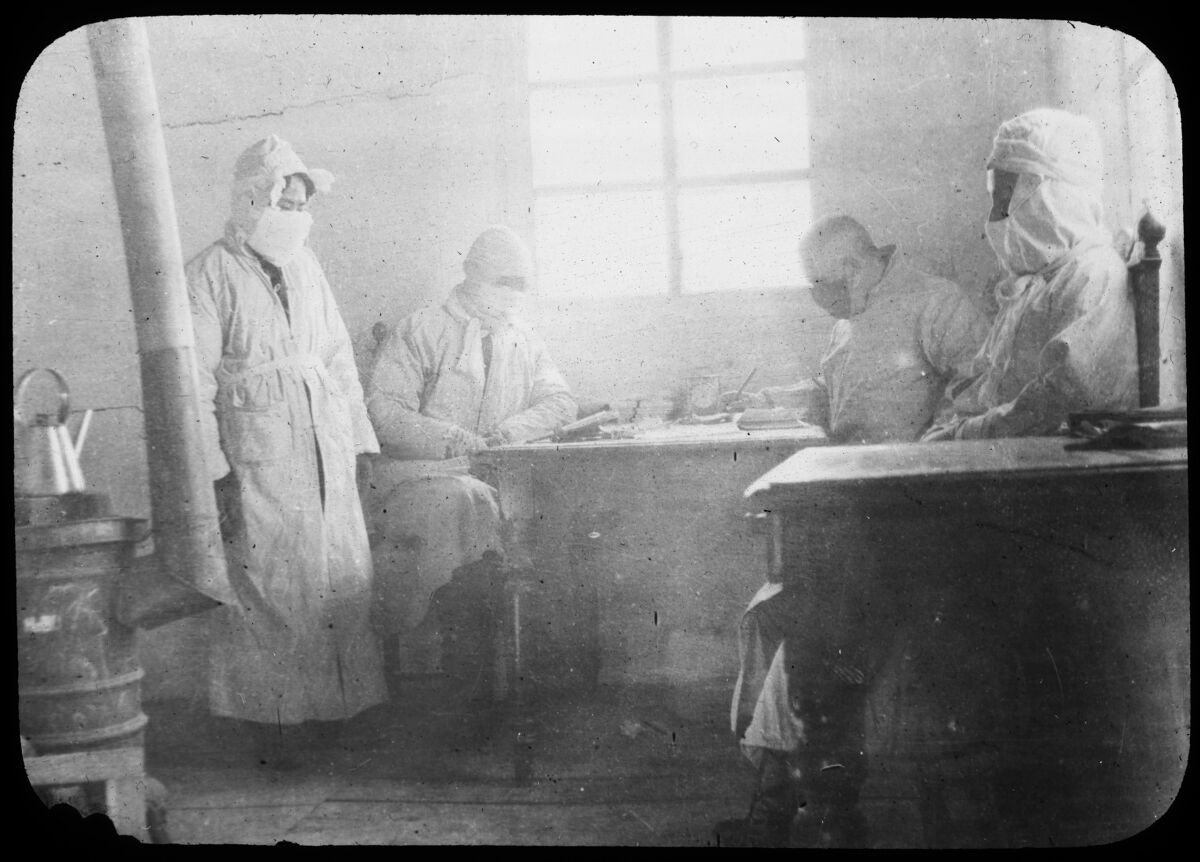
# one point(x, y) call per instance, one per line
point(423, 121)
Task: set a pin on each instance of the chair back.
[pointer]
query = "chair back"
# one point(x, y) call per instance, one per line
point(1143, 282)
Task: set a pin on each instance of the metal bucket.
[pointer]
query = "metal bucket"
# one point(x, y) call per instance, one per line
point(79, 680)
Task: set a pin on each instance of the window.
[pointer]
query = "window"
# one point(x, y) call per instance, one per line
point(669, 154)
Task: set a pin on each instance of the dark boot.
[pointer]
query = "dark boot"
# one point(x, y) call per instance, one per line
point(827, 812)
point(768, 822)
point(466, 609)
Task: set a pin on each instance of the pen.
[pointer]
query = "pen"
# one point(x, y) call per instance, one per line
point(745, 383)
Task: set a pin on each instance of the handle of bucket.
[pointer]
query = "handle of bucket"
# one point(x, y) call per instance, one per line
point(64, 394)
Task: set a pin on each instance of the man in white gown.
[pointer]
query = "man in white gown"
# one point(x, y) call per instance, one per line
point(284, 423)
point(449, 381)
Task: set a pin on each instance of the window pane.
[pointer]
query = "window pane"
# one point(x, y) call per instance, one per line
point(606, 134)
point(574, 46)
point(739, 237)
point(601, 244)
point(701, 43)
point(742, 123)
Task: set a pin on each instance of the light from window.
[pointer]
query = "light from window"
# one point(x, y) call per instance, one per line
point(601, 244)
point(590, 136)
point(574, 47)
point(700, 43)
point(669, 154)
point(730, 125)
point(742, 237)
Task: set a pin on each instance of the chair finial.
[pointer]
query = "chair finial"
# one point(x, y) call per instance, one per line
point(1150, 230)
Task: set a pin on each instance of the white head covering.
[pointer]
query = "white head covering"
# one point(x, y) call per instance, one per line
point(1053, 144)
point(498, 253)
point(260, 176)
point(1054, 213)
point(1055, 205)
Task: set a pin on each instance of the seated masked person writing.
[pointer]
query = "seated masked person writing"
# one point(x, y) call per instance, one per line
point(901, 336)
point(1063, 340)
point(447, 382)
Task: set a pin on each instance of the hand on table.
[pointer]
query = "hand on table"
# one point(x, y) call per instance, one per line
point(733, 402)
point(460, 441)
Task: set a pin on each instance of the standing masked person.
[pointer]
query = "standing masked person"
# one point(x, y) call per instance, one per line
point(285, 423)
point(450, 381)
point(1064, 338)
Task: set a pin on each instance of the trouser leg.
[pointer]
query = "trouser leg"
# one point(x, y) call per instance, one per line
point(466, 609)
point(772, 805)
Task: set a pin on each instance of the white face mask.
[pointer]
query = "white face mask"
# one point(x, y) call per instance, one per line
point(497, 301)
point(1019, 253)
point(278, 235)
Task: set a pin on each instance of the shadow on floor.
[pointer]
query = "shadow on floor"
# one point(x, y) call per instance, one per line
point(613, 766)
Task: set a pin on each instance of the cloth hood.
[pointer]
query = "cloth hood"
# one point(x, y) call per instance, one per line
point(1052, 144)
point(259, 177)
point(498, 253)
point(1056, 204)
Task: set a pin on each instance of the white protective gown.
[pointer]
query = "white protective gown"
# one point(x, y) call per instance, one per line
point(299, 645)
point(885, 370)
point(883, 377)
point(426, 393)
point(1064, 339)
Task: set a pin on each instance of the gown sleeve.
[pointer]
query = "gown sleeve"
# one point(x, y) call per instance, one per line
point(208, 328)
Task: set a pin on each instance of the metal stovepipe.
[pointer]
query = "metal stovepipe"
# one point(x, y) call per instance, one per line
point(188, 572)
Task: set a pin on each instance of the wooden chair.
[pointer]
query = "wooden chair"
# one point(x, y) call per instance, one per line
point(1143, 282)
point(511, 647)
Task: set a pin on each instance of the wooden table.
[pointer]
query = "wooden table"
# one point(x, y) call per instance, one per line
point(633, 557)
point(1043, 597)
point(639, 545)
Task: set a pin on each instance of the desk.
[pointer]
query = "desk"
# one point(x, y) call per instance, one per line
point(1044, 596)
point(642, 557)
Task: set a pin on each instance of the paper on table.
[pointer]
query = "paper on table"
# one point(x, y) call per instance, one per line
point(772, 417)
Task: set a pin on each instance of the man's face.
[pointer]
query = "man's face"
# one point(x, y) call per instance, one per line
point(1001, 184)
point(830, 285)
point(294, 197)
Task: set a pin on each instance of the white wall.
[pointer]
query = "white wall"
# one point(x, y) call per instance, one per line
point(423, 120)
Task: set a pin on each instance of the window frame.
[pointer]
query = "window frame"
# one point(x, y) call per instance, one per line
point(671, 183)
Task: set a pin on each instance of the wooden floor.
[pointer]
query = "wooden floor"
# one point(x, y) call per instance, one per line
point(618, 766)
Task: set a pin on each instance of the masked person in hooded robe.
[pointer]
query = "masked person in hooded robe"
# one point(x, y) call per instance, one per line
point(901, 336)
point(450, 381)
point(284, 423)
point(1064, 338)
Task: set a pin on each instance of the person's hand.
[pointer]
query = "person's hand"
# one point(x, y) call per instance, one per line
point(734, 402)
point(460, 441)
point(940, 432)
